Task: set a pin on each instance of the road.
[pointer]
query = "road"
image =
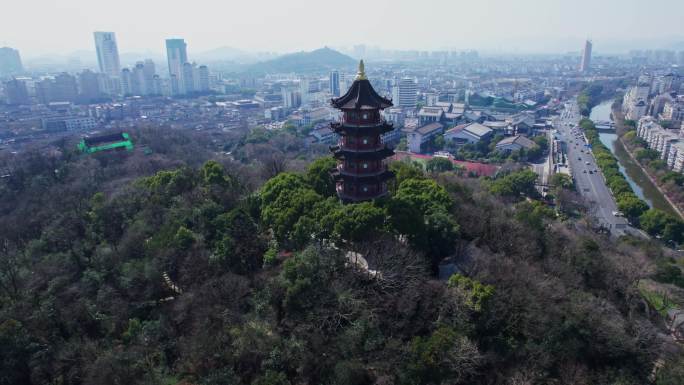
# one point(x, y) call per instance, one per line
point(544, 167)
point(587, 177)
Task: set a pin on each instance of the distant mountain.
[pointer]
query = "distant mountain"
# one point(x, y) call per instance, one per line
point(302, 62)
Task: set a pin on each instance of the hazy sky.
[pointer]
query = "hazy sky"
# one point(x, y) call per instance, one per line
point(39, 27)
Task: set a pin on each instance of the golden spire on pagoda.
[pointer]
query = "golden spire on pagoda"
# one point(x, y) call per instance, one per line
point(361, 74)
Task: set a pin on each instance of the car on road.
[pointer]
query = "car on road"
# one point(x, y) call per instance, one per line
point(579, 158)
point(591, 172)
point(587, 163)
point(585, 171)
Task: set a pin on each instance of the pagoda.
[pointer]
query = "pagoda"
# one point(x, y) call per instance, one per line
point(361, 172)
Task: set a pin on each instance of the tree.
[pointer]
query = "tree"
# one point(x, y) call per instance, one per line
point(285, 211)
point(404, 170)
point(652, 221)
point(476, 294)
point(563, 181)
point(319, 177)
point(240, 249)
point(212, 173)
point(674, 177)
point(16, 348)
point(356, 222)
point(402, 145)
point(672, 373)
point(272, 378)
point(420, 210)
point(645, 154)
point(657, 222)
point(443, 357)
point(515, 184)
point(281, 183)
point(631, 206)
point(439, 164)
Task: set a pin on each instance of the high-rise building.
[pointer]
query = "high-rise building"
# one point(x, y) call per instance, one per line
point(586, 57)
point(157, 85)
point(89, 86)
point(361, 173)
point(43, 90)
point(177, 56)
point(64, 88)
point(304, 91)
point(138, 86)
point(126, 82)
point(188, 77)
point(16, 92)
point(291, 97)
point(10, 62)
point(334, 83)
point(149, 72)
point(203, 78)
point(107, 53)
point(174, 85)
point(406, 94)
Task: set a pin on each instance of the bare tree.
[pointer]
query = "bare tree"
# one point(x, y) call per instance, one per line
point(9, 269)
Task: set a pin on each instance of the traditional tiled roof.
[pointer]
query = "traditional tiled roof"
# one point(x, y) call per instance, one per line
point(361, 95)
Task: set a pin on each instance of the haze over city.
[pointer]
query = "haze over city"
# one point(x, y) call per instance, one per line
point(40, 27)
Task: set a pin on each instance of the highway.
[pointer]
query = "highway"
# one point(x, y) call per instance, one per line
point(586, 175)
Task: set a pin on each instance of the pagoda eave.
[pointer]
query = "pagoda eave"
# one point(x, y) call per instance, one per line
point(379, 177)
point(342, 128)
point(383, 153)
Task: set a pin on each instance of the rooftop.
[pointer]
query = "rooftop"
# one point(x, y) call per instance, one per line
point(429, 128)
point(361, 95)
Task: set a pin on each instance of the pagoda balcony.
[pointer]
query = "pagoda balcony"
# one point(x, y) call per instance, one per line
point(350, 122)
point(340, 170)
point(379, 147)
point(380, 127)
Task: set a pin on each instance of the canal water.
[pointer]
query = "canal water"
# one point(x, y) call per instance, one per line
point(640, 183)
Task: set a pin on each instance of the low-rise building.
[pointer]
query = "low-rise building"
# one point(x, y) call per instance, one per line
point(468, 133)
point(515, 143)
point(675, 158)
point(428, 115)
point(421, 135)
point(323, 135)
point(668, 143)
point(69, 123)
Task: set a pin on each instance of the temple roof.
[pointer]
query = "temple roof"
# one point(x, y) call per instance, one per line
point(361, 95)
point(97, 140)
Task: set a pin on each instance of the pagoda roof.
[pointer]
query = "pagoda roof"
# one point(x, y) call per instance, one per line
point(97, 140)
point(361, 95)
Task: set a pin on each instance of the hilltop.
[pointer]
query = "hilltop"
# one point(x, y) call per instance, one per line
point(321, 59)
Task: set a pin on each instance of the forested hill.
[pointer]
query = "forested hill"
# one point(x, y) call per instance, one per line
point(322, 59)
point(126, 269)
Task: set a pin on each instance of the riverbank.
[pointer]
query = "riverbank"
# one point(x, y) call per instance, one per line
point(620, 130)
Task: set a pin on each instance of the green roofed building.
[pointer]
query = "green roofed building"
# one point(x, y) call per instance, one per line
point(106, 142)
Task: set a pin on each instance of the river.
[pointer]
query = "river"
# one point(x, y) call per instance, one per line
point(640, 183)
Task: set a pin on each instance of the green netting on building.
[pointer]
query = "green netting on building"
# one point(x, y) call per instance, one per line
point(107, 142)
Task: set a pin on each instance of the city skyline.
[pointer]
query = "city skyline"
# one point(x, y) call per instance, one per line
point(564, 26)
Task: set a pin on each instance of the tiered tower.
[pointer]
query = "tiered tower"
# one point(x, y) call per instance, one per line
point(361, 172)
